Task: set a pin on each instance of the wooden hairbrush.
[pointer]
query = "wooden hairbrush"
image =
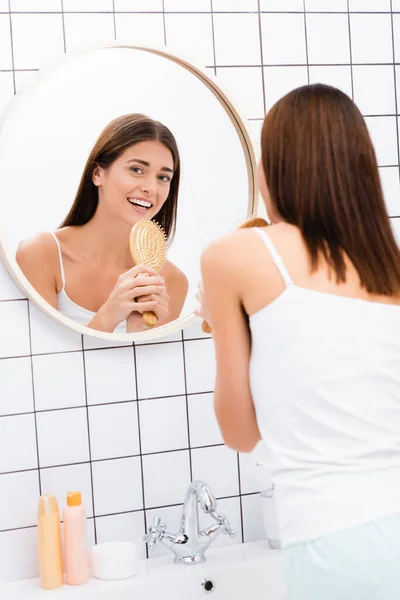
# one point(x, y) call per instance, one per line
point(252, 222)
point(148, 246)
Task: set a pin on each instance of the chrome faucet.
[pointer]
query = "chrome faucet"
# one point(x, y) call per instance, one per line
point(190, 543)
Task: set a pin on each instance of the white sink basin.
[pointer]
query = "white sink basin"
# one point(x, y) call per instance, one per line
point(234, 572)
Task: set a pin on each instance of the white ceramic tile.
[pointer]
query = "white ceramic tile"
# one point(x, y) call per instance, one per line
point(60, 480)
point(339, 77)
point(163, 424)
point(396, 31)
point(83, 29)
point(17, 443)
point(230, 507)
point(22, 79)
point(395, 5)
point(117, 486)
point(370, 5)
point(374, 89)
point(93, 343)
point(88, 5)
point(384, 137)
point(245, 88)
point(114, 430)
point(191, 35)
point(8, 289)
point(5, 43)
point(253, 525)
point(49, 370)
point(36, 5)
point(229, 29)
point(6, 95)
point(395, 223)
point(279, 6)
point(171, 517)
point(235, 5)
point(18, 555)
point(4, 6)
point(328, 39)
point(14, 327)
point(204, 429)
point(200, 366)
point(49, 336)
point(254, 129)
point(138, 5)
point(18, 507)
point(277, 29)
point(16, 386)
point(147, 29)
point(326, 5)
point(176, 336)
point(110, 375)
point(185, 6)
point(160, 370)
point(365, 28)
point(217, 466)
point(36, 39)
point(128, 527)
point(252, 477)
point(63, 437)
point(166, 478)
point(391, 189)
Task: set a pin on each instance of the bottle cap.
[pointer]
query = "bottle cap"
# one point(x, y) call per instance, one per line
point(47, 505)
point(114, 560)
point(74, 499)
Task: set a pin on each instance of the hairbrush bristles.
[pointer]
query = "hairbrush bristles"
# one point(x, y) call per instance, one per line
point(148, 246)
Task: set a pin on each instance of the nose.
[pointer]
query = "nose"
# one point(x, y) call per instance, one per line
point(147, 185)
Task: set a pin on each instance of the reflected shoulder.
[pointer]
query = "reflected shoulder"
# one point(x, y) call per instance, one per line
point(175, 275)
point(40, 246)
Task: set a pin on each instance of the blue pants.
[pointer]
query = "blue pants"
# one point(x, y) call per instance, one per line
point(361, 563)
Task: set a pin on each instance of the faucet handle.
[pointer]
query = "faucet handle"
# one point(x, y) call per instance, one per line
point(155, 532)
point(223, 524)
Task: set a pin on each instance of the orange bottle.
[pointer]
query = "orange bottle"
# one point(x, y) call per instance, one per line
point(50, 552)
point(75, 540)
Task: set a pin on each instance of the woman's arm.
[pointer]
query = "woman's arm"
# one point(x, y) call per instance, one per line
point(233, 403)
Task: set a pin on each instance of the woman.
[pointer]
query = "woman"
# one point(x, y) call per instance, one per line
point(85, 269)
point(305, 315)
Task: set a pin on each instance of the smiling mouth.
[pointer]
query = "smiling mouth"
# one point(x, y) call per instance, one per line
point(140, 203)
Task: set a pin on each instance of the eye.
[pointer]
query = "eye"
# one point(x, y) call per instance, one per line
point(164, 178)
point(138, 170)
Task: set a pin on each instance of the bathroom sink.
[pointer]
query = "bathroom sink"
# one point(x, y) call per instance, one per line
point(234, 572)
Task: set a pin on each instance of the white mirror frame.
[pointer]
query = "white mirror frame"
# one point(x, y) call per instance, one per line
point(239, 123)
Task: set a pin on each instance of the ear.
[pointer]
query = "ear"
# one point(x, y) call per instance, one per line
point(98, 175)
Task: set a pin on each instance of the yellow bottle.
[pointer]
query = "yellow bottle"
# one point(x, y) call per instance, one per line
point(50, 552)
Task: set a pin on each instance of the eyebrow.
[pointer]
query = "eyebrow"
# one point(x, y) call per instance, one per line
point(147, 164)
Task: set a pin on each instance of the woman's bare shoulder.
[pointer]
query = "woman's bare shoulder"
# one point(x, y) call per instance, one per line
point(41, 245)
point(174, 274)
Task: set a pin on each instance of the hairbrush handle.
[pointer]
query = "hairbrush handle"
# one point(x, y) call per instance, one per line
point(252, 222)
point(149, 318)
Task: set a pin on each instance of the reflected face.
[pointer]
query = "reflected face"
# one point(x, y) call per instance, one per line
point(137, 184)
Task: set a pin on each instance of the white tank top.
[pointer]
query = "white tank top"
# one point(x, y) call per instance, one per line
point(325, 380)
point(71, 309)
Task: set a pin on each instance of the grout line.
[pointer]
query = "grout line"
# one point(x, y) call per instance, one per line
point(114, 20)
point(89, 442)
point(140, 444)
point(240, 496)
point(213, 37)
point(396, 96)
point(350, 50)
point(63, 26)
point(262, 59)
point(306, 41)
point(12, 46)
point(164, 23)
point(34, 401)
point(187, 405)
point(199, 12)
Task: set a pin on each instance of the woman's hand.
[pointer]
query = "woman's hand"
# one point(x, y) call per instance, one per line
point(139, 282)
point(159, 305)
point(201, 310)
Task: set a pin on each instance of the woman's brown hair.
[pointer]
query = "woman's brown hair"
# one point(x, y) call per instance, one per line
point(322, 176)
point(112, 142)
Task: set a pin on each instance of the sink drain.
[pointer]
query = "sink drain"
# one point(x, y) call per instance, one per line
point(208, 586)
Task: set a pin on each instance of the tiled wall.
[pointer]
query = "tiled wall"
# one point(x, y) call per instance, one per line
point(130, 426)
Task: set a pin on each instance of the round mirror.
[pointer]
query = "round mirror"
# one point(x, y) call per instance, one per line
point(106, 138)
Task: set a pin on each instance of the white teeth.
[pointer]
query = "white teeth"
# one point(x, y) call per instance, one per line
point(140, 202)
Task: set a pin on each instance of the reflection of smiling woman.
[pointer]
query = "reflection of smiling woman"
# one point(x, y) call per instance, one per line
point(85, 268)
